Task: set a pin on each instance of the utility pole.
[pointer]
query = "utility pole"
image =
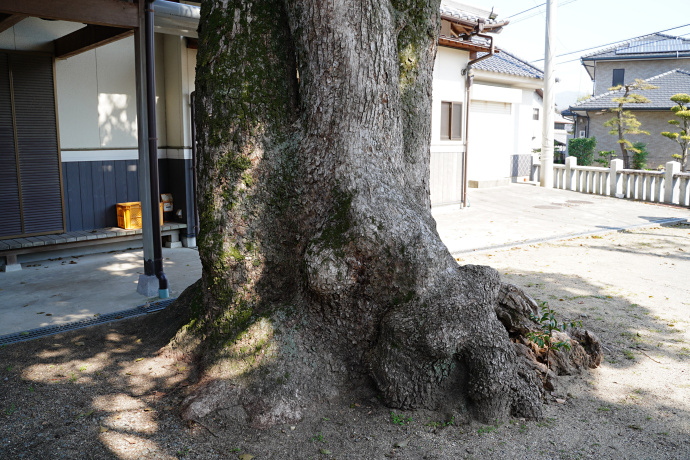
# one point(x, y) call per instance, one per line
point(546, 175)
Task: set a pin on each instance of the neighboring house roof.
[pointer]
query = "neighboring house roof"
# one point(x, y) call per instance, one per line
point(652, 46)
point(509, 64)
point(669, 83)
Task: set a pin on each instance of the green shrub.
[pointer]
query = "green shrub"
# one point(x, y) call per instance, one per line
point(583, 149)
point(605, 157)
point(639, 159)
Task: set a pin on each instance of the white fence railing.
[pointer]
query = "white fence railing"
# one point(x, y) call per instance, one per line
point(670, 186)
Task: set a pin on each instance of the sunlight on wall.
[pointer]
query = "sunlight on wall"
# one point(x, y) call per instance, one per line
point(117, 123)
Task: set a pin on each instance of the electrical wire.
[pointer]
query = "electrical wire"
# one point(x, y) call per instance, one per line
point(537, 13)
point(525, 11)
point(622, 41)
point(618, 42)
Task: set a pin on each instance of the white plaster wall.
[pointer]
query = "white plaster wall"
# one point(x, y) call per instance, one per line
point(117, 110)
point(77, 94)
point(96, 91)
point(535, 126)
point(180, 64)
point(448, 85)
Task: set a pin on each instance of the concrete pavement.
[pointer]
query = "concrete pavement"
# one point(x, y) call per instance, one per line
point(523, 213)
point(59, 291)
point(53, 292)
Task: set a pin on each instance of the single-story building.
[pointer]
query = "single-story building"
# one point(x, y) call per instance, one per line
point(72, 96)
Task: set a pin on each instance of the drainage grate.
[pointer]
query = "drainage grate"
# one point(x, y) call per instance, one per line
point(100, 319)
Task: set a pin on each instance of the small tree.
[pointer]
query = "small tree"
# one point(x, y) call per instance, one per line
point(625, 122)
point(682, 111)
point(639, 158)
point(605, 157)
point(583, 149)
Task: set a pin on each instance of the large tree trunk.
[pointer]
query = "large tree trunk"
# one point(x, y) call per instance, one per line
point(322, 267)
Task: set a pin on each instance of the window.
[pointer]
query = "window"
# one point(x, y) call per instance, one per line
point(451, 120)
point(618, 77)
point(535, 114)
point(559, 126)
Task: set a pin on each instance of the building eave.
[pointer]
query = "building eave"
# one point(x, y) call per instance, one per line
point(462, 45)
point(508, 79)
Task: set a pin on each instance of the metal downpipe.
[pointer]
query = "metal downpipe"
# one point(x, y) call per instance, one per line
point(163, 291)
point(468, 85)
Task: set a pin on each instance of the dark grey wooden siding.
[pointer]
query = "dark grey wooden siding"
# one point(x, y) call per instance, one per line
point(93, 188)
point(10, 223)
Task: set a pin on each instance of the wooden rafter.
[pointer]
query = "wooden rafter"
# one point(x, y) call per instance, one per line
point(87, 38)
point(461, 29)
point(9, 20)
point(116, 13)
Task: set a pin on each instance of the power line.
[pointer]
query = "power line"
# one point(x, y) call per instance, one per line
point(537, 13)
point(577, 59)
point(525, 11)
point(617, 42)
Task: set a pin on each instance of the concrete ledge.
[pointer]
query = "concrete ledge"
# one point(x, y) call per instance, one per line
point(488, 183)
point(24, 250)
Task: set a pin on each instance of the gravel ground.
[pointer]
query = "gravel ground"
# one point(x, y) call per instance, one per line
point(105, 392)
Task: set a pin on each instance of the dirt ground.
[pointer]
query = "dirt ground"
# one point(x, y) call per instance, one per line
point(104, 392)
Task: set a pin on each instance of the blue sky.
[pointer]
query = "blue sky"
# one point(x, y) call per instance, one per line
point(582, 24)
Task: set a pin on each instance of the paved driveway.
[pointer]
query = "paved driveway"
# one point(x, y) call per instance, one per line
point(523, 213)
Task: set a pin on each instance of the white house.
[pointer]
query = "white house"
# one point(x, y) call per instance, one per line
point(492, 143)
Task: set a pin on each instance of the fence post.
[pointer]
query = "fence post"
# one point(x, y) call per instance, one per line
point(570, 165)
point(616, 179)
point(671, 186)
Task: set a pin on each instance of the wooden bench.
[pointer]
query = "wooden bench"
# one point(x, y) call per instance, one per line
point(11, 248)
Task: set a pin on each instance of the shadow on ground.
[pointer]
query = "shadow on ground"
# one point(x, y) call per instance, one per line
point(105, 392)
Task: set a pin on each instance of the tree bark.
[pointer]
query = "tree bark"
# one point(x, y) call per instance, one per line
point(322, 267)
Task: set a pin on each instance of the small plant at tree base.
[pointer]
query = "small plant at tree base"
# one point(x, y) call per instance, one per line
point(605, 157)
point(441, 424)
point(399, 419)
point(625, 122)
point(682, 111)
point(543, 337)
point(318, 438)
point(639, 158)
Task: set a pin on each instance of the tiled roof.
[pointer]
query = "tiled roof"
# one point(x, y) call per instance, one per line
point(653, 45)
point(507, 63)
point(669, 83)
point(473, 40)
point(466, 13)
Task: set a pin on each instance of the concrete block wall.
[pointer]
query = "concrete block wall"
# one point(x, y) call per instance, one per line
point(643, 68)
point(660, 148)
